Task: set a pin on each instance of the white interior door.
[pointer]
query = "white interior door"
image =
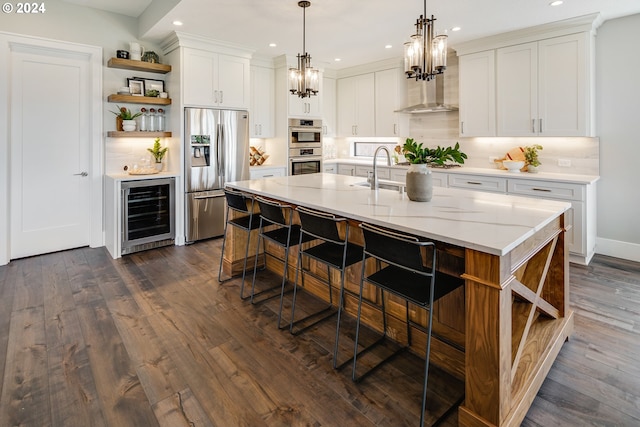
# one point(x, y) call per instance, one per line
point(50, 147)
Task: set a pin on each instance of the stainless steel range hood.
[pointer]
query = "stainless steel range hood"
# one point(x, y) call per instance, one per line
point(432, 98)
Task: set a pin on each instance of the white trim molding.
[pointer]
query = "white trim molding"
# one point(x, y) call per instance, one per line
point(618, 249)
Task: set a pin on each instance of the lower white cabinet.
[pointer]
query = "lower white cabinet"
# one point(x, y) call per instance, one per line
point(266, 172)
point(330, 168)
point(579, 219)
point(344, 169)
point(478, 182)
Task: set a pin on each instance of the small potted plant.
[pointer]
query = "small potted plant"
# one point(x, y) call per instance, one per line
point(125, 120)
point(419, 181)
point(531, 157)
point(158, 153)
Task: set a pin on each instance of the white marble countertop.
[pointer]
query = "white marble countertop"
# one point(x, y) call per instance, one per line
point(541, 176)
point(488, 222)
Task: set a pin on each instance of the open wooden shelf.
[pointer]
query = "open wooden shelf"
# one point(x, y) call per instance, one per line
point(129, 64)
point(131, 99)
point(137, 134)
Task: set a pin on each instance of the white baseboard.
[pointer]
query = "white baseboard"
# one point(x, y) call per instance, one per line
point(618, 249)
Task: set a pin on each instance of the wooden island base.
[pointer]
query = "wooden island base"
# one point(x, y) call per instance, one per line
point(500, 333)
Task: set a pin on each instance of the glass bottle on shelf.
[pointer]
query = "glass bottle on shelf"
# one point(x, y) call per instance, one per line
point(160, 122)
point(153, 124)
point(143, 120)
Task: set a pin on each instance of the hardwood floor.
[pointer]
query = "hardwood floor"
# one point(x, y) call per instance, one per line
point(154, 339)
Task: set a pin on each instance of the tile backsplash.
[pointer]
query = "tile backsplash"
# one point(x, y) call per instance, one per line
point(442, 129)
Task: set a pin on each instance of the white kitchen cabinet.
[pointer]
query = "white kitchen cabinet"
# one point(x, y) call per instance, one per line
point(310, 106)
point(477, 94)
point(356, 105)
point(543, 89)
point(478, 182)
point(575, 219)
point(439, 179)
point(328, 106)
point(330, 168)
point(390, 95)
point(261, 116)
point(346, 169)
point(266, 172)
point(398, 174)
point(215, 80)
point(366, 171)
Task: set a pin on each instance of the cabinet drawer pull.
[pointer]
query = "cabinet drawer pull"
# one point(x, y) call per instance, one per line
point(474, 183)
point(542, 189)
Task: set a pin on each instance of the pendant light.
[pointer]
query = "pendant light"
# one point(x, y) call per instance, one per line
point(425, 56)
point(304, 80)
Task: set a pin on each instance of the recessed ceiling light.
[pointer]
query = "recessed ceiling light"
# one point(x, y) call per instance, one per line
point(555, 3)
point(456, 29)
point(388, 46)
point(177, 23)
point(337, 59)
point(272, 45)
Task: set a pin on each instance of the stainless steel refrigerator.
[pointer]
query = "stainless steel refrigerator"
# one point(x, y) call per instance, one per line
point(216, 151)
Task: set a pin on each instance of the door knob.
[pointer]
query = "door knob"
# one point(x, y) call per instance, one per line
point(81, 174)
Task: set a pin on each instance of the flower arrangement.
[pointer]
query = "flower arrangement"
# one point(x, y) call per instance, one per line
point(417, 154)
point(157, 151)
point(531, 155)
point(125, 114)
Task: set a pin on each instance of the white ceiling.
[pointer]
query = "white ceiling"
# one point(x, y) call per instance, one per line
point(354, 30)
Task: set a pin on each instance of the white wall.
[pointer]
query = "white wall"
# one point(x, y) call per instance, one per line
point(618, 113)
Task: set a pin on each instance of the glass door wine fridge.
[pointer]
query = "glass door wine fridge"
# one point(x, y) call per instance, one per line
point(147, 214)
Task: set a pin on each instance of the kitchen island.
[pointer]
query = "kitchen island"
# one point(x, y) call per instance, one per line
point(501, 332)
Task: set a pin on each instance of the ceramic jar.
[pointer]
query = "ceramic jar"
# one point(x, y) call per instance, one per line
point(419, 183)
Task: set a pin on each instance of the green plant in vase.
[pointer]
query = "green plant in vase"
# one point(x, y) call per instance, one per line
point(158, 152)
point(125, 119)
point(531, 157)
point(419, 179)
point(417, 154)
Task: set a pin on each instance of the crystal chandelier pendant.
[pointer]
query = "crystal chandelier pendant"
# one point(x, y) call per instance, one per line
point(304, 80)
point(425, 56)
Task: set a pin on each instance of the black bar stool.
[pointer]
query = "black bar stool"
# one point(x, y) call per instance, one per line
point(243, 205)
point(402, 272)
point(333, 251)
point(278, 218)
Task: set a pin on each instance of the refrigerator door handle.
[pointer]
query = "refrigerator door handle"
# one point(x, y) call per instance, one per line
point(221, 153)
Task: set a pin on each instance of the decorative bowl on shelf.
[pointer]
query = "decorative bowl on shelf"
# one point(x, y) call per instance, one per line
point(513, 165)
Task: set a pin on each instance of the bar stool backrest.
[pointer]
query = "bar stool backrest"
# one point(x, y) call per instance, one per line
point(395, 248)
point(272, 212)
point(320, 224)
point(236, 200)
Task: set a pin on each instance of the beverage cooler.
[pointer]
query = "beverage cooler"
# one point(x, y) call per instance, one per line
point(147, 214)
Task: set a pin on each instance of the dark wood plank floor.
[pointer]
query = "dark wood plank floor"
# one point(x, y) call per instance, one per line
point(153, 339)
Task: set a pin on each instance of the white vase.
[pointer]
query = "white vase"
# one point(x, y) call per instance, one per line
point(159, 166)
point(419, 183)
point(129, 125)
point(532, 169)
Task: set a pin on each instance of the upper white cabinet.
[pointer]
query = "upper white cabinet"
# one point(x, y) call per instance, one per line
point(356, 105)
point(261, 115)
point(304, 107)
point(542, 88)
point(215, 80)
point(478, 94)
point(390, 95)
point(328, 106)
point(543, 79)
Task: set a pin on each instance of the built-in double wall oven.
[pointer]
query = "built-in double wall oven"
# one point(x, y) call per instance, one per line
point(305, 146)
